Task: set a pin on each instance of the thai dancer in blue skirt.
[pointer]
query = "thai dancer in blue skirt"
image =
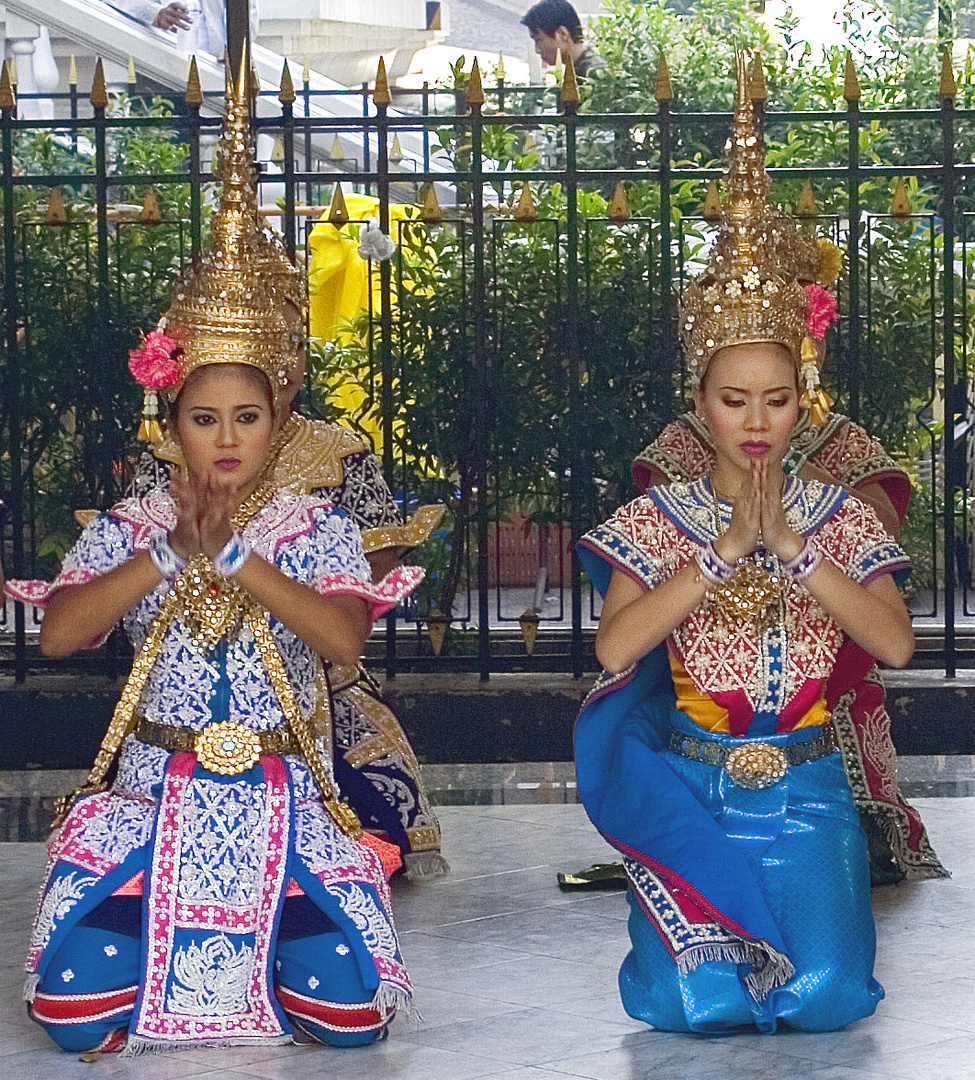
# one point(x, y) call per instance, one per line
point(208, 886)
point(705, 753)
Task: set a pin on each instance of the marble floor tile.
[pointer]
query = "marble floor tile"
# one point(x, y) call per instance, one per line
point(517, 981)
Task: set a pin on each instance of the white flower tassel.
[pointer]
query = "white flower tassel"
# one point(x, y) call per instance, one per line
point(374, 243)
point(814, 398)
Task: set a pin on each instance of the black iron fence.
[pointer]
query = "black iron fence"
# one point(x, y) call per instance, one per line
point(518, 349)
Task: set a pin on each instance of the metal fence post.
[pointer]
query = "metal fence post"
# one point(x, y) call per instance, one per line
point(570, 113)
point(12, 386)
point(953, 470)
point(475, 100)
point(382, 98)
point(851, 92)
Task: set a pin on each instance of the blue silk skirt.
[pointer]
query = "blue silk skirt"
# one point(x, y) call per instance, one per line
point(802, 841)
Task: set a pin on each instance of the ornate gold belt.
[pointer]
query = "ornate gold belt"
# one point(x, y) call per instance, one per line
point(225, 747)
point(753, 765)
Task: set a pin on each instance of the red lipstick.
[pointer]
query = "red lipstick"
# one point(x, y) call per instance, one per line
point(756, 449)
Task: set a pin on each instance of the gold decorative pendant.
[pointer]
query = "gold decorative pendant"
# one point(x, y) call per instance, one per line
point(756, 765)
point(750, 593)
point(227, 748)
point(210, 606)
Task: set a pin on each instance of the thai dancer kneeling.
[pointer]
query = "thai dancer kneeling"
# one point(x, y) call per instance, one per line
point(219, 892)
point(705, 753)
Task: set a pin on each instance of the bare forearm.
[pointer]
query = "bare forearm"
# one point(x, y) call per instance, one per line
point(879, 624)
point(629, 632)
point(79, 614)
point(336, 627)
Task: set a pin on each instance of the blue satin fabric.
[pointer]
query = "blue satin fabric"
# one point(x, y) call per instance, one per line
point(803, 842)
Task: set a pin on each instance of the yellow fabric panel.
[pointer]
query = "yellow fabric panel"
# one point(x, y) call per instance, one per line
point(704, 711)
point(338, 287)
point(708, 714)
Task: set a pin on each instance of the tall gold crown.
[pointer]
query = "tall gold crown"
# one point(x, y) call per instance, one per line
point(751, 290)
point(225, 307)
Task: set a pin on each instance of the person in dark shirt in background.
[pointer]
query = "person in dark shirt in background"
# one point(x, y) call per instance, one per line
point(555, 27)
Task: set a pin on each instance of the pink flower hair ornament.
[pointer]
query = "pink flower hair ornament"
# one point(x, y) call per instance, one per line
point(156, 365)
point(823, 311)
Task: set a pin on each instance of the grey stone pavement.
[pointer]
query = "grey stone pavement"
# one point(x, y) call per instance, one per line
point(517, 981)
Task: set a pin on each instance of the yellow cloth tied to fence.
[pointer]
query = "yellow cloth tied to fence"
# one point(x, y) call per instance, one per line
point(339, 290)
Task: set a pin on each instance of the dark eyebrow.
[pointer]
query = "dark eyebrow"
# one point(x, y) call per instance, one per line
point(772, 390)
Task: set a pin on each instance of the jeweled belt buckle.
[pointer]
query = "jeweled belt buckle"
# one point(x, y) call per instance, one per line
point(227, 748)
point(756, 765)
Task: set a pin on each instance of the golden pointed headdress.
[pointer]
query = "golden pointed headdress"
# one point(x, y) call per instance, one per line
point(752, 289)
point(225, 308)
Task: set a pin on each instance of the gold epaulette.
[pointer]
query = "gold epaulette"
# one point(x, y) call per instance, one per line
point(85, 517)
point(414, 532)
point(311, 457)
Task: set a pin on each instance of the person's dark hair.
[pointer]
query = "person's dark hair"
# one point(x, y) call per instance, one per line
point(548, 15)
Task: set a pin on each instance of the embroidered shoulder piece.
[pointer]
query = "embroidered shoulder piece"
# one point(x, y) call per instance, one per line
point(854, 457)
point(410, 535)
point(633, 541)
point(146, 515)
point(381, 598)
point(311, 454)
point(682, 452)
point(855, 540)
point(695, 511)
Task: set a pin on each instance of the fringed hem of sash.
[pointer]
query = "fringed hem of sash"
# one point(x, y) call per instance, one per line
point(925, 872)
point(30, 987)
point(770, 968)
point(137, 1045)
point(418, 865)
point(390, 999)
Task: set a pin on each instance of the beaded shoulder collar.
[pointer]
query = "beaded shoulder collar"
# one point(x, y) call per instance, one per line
point(694, 509)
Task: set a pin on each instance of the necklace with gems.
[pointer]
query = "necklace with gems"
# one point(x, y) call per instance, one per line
point(211, 606)
point(753, 593)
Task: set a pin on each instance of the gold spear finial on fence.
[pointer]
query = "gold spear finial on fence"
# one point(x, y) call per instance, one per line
point(900, 204)
point(712, 203)
point(851, 84)
point(757, 87)
point(56, 213)
point(7, 101)
point(526, 211)
point(380, 93)
point(948, 90)
point(437, 624)
point(130, 74)
point(14, 77)
point(663, 91)
point(528, 621)
point(475, 90)
point(570, 84)
point(72, 71)
point(338, 212)
point(619, 205)
point(499, 72)
point(806, 206)
point(305, 70)
point(99, 92)
point(194, 92)
point(286, 94)
point(431, 213)
point(337, 151)
point(150, 213)
point(395, 151)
